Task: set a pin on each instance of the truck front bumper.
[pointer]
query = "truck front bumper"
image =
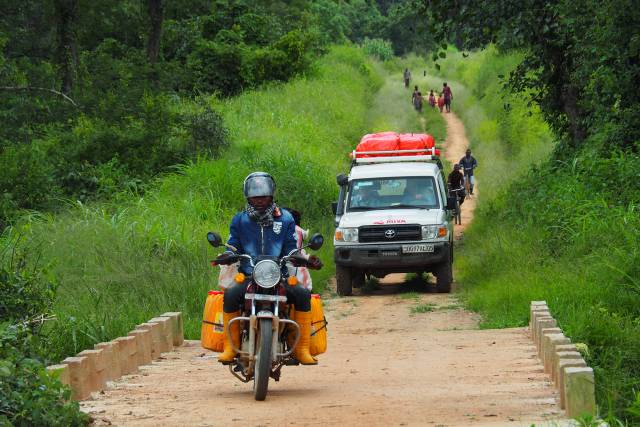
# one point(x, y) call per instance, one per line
point(389, 257)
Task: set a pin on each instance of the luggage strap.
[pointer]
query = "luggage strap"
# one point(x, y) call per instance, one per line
point(324, 320)
point(212, 323)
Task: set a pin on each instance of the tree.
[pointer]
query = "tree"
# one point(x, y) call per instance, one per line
point(66, 14)
point(156, 16)
point(575, 51)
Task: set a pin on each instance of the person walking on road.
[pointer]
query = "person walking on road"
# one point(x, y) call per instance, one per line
point(407, 77)
point(432, 99)
point(417, 102)
point(414, 94)
point(448, 96)
point(468, 163)
point(440, 102)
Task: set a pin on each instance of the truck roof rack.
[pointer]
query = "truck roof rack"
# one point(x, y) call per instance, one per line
point(394, 156)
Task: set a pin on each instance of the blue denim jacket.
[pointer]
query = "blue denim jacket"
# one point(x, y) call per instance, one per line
point(252, 239)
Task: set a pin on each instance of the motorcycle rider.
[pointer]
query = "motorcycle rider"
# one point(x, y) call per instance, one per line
point(469, 163)
point(264, 229)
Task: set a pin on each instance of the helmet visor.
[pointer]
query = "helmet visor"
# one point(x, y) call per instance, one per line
point(259, 186)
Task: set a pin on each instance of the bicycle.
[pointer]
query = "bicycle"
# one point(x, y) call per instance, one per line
point(467, 183)
point(457, 213)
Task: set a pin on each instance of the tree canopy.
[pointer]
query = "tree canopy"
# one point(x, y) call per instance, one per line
point(581, 63)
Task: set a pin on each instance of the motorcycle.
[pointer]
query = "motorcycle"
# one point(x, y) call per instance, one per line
point(265, 338)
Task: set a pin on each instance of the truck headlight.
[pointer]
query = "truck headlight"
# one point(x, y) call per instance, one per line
point(346, 234)
point(430, 232)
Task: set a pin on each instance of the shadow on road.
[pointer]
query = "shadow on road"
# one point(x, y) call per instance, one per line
point(398, 284)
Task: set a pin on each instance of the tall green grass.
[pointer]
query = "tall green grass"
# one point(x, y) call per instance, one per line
point(123, 262)
point(567, 233)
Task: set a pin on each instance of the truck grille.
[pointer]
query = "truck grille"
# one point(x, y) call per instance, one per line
point(389, 233)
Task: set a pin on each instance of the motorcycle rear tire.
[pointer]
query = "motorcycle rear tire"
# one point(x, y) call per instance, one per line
point(263, 362)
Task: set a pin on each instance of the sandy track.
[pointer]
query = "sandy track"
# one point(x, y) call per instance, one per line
point(385, 366)
point(455, 146)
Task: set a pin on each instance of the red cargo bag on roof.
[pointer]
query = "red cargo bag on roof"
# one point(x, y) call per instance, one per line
point(383, 141)
point(416, 141)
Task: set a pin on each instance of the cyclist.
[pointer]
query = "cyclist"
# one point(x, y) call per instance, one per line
point(455, 181)
point(469, 163)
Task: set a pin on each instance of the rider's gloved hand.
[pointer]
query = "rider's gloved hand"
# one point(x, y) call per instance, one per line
point(314, 263)
point(226, 258)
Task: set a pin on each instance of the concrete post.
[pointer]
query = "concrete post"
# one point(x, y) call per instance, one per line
point(128, 354)
point(562, 367)
point(557, 357)
point(156, 337)
point(78, 372)
point(166, 333)
point(144, 343)
point(539, 324)
point(532, 314)
point(536, 315)
point(541, 334)
point(567, 347)
point(111, 358)
point(551, 340)
point(96, 377)
point(579, 388)
point(61, 372)
point(178, 329)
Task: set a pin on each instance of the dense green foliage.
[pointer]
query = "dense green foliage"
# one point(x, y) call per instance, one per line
point(581, 60)
point(100, 96)
point(28, 395)
point(562, 231)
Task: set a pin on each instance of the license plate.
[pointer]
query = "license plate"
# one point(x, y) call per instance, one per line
point(414, 249)
point(389, 253)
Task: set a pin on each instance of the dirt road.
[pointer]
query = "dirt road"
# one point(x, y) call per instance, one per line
point(397, 356)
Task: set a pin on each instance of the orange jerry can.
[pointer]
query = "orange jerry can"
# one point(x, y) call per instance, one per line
point(318, 343)
point(212, 335)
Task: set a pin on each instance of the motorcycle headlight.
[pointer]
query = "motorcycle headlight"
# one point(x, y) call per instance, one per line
point(266, 274)
point(346, 234)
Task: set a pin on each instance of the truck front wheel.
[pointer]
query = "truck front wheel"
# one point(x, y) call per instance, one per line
point(444, 276)
point(343, 281)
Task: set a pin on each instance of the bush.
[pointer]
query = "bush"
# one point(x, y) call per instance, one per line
point(207, 133)
point(381, 49)
point(28, 395)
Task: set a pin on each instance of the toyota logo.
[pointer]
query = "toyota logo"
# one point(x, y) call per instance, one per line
point(390, 234)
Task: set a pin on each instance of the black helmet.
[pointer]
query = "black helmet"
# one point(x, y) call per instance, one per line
point(259, 184)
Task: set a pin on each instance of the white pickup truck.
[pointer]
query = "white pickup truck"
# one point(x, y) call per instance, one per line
point(393, 216)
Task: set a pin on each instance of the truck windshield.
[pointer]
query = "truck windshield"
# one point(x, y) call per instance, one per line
point(393, 193)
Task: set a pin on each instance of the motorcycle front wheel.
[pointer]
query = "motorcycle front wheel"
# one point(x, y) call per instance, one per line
point(263, 360)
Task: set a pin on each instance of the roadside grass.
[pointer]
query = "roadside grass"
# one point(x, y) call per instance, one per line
point(423, 308)
point(567, 233)
point(409, 295)
point(118, 264)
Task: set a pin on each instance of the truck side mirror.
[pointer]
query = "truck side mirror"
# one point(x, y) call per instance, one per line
point(334, 207)
point(342, 179)
point(451, 203)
